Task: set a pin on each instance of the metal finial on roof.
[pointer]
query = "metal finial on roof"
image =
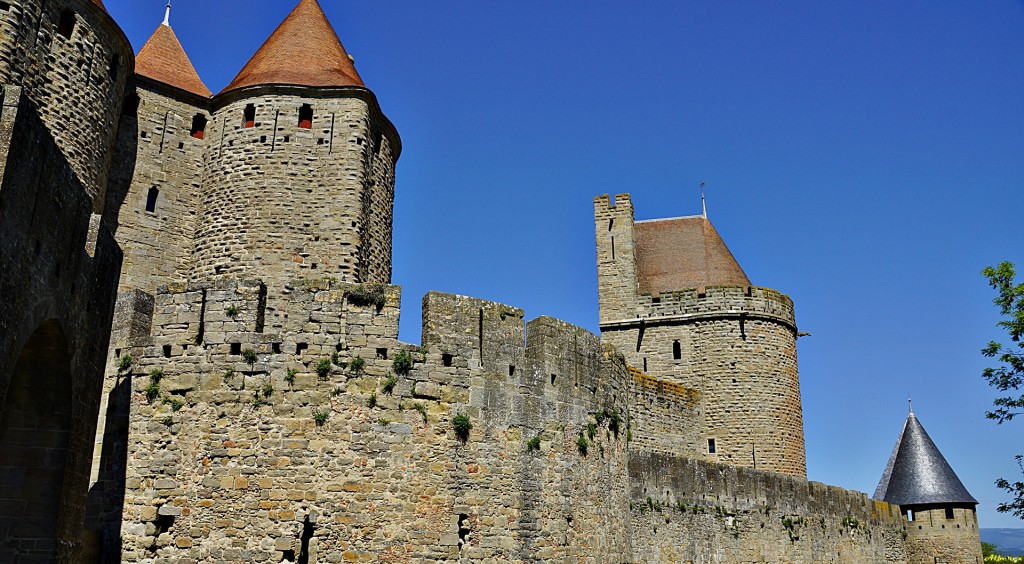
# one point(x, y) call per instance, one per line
point(910, 405)
point(167, 14)
point(703, 202)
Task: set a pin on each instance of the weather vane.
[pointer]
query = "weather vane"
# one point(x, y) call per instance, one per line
point(703, 203)
point(167, 14)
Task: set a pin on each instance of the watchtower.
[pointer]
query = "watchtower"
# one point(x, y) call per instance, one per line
point(678, 305)
point(300, 180)
point(941, 520)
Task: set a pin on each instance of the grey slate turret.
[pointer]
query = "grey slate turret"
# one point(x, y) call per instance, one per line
point(918, 474)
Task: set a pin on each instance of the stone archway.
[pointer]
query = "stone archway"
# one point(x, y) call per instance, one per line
point(35, 424)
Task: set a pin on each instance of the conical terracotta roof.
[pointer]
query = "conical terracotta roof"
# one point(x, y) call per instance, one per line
point(163, 59)
point(683, 253)
point(918, 474)
point(304, 51)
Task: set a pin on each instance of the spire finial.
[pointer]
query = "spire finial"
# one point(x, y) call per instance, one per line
point(167, 14)
point(703, 202)
point(910, 405)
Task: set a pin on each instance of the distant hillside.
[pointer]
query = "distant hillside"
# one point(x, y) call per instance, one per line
point(1009, 541)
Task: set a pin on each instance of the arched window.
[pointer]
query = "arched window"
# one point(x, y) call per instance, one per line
point(131, 105)
point(154, 193)
point(677, 351)
point(306, 117)
point(66, 25)
point(249, 116)
point(198, 126)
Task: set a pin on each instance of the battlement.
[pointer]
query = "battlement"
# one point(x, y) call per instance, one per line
point(710, 301)
point(605, 207)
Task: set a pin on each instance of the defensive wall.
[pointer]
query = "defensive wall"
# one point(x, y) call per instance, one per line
point(247, 444)
point(295, 453)
point(60, 264)
point(686, 510)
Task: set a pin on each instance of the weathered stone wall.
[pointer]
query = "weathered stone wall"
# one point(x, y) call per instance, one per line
point(663, 416)
point(736, 346)
point(156, 151)
point(282, 202)
point(295, 453)
point(686, 510)
point(75, 84)
point(617, 286)
point(936, 536)
point(58, 282)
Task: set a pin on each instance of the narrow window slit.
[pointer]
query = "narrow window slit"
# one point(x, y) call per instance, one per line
point(131, 105)
point(198, 126)
point(66, 25)
point(249, 116)
point(306, 117)
point(151, 198)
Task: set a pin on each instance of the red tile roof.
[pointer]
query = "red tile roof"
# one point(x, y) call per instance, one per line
point(163, 59)
point(683, 253)
point(100, 4)
point(304, 50)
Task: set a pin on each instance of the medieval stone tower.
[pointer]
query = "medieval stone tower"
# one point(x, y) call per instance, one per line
point(942, 523)
point(63, 67)
point(198, 299)
point(676, 303)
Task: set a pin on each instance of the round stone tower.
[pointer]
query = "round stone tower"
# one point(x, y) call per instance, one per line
point(940, 515)
point(677, 304)
point(72, 61)
point(299, 183)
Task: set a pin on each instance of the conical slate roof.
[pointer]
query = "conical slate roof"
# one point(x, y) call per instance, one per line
point(304, 51)
point(918, 474)
point(163, 59)
point(683, 253)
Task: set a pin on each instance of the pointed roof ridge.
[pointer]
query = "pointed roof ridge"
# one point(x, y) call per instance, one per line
point(100, 4)
point(682, 253)
point(304, 50)
point(918, 474)
point(163, 59)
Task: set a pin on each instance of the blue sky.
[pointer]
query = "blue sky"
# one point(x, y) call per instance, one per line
point(866, 158)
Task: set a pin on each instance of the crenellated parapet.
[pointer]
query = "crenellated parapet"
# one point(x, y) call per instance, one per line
point(711, 302)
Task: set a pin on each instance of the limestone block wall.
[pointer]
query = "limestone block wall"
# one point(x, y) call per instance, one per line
point(284, 202)
point(158, 164)
point(664, 416)
point(75, 83)
point(617, 285)
point(685, 510)
point(305, 450)
point(737, 347)
point(58, 285)
point(944, 535)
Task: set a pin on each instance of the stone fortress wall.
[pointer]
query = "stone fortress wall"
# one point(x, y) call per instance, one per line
point(283, 201)
point(295, 454)
point(63, 68)
point(229, 460)
point(734, 346)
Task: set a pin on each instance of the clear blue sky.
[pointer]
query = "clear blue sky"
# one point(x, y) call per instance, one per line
point(864, 157)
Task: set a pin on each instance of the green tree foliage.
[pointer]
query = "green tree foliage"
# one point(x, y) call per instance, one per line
point(989, 549)
point(1008, 376)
